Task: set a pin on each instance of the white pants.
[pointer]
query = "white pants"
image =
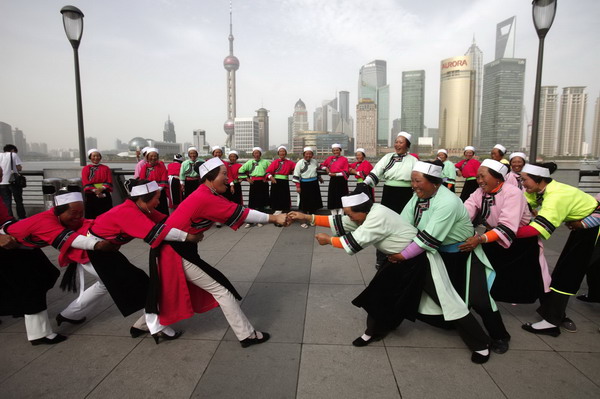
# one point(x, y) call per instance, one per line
point(89, 298)
point(229, 305)
point(37, 325)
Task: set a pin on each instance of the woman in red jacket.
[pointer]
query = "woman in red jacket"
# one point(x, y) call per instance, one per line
point(336, 167)
point(155, 170)
point(278, 172)
point(97, 185)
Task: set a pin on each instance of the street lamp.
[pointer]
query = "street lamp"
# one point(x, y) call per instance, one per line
point(73, 23)
point(543, 12)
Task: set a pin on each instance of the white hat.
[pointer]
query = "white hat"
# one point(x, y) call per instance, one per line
point(536, 170)
point(428, 169)
point(336, 145)
point(151, 149)
point(518, 154)
point(353, 200)
point(68, 198)
point(144, 150)
point(495, 165)
point(144, 189)
point(209, 165)
point(307, 149)
point(282, 147)
point(469, 148)
point(93, 150)
point(214, 148)
point(192, 149)
point(233, 152)
point(361, 150)
point(442, 150)
point(501, 148)
point(406, 135)
point(257, 149)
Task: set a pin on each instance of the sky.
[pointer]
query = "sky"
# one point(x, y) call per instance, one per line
point(143, 61)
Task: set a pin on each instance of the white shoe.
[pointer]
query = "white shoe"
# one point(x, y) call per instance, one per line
point(277, 213)
point(304, 226)
point(247, 225)
point(259, 225)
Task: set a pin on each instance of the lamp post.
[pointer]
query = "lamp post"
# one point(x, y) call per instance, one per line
point(543, 12)
point(73, 23)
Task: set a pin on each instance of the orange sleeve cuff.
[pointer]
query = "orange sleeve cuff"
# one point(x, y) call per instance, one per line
point(321, 220)
point(491, 236)
point(336, 242)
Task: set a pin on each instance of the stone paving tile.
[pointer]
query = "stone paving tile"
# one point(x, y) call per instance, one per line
point(534, 374)
point(337, 269)
point(422, 335)
point(335, 371)
point(330, 316)
point(238, 266)
point(168, 370)
point(278, 309)
point(285, 268)
point(17, 353)
point(440, 373)
point(68, 370)
point(269, 370)
point(586, 363)
point(293, 239)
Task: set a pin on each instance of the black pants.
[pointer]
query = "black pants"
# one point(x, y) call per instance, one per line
point(8, 192)
point(396, 199)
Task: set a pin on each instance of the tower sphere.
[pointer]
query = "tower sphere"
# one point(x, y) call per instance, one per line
point(228, 126)
point(137, 143)
point(231, 63)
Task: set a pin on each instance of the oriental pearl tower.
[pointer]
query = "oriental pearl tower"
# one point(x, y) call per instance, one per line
point(231, 64)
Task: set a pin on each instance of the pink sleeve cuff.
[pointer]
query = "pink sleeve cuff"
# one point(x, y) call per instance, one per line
point(412, 250)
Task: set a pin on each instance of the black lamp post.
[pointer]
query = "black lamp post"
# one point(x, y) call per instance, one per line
point(543, 16)
point(73, 23)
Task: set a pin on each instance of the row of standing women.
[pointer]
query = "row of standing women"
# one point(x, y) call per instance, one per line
point(180, 282)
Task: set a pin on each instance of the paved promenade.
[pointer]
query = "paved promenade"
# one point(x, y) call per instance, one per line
point(300, 293)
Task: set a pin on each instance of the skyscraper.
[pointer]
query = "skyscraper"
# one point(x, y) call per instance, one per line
point(246, 134)
point(571, 131)
point(505, 38)
point(290, 131)
point(372, 84)
point(262, 118)
point(169, 132)
point(231, 64)
point(5, 134)
point(477, 63)
point(19, 141)
point(366, 126)
point(503, 86)
point(300, 123)
point(596, 130)
point(547, 123)
point(457, 103)
point(91, 142)
point(413, 103)
point(199, 141)
point(344, 105)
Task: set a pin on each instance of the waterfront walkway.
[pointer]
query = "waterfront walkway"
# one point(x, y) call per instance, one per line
point(300, 292)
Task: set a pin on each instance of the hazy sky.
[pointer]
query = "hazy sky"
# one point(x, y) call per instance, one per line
point(142, 60)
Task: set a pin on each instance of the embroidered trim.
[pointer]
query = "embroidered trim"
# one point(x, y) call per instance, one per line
point(235, 216)
point(60, 240)
point(429, 240)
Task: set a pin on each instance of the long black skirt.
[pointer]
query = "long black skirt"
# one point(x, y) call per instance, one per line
point(237, 194)
point(95, 206)
point(259, 195)
point(163, 204)
point(395, 292)
point(518, 272)
point(189, 186)
point(468, 189)
point(310, 197)
point(175, 189)
point(280, 195)
point(126, 284)
point(396, 198)
point(26, 275)
point(338, 188)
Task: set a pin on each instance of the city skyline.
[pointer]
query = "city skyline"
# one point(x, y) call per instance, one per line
point(159, 57)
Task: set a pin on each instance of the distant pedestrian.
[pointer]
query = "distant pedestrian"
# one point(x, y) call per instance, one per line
point(175, 188)
point(188, 175)
point(467, 168)
point(361, 169)
point(234, 193)
point(154, 170)
point(11, 163)
point(449, 171)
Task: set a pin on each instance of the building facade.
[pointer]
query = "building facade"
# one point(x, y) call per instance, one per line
point(457, 103)
point(5, 134)
point(413, 103)
point(372, 84)
point(246, 134)
point(548, 118)
point(366, 126)
point(595, 151)
point(262, 118)
point(477, 61)
point(571, 125)
point(169, 132)
point(199, 141)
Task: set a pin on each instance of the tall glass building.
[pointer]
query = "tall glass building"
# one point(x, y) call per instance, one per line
point(547, 131)
point(477, 59)
point(372, 84)
point(571, 127)
point(413, 103)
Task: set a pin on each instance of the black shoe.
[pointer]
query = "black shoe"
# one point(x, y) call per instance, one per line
point(585, 298)
point(377, 266)
point(62, 319)
point(478, 358)
point(47, 341)
point(360, 342)
point(136, 332)
point(568, 325)
point(499, 346)
point(161, 335)
point(255, 341)
point(552, 331)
